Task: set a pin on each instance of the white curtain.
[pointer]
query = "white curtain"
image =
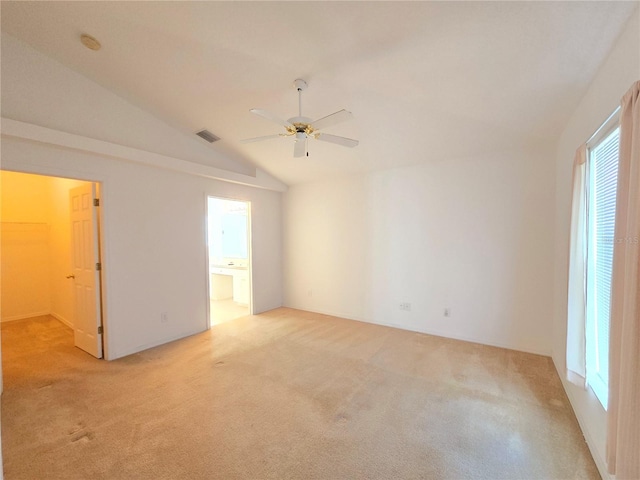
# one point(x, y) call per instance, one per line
point(623, 427)
point(576, 307)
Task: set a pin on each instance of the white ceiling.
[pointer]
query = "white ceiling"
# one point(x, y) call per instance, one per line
point(424, 80)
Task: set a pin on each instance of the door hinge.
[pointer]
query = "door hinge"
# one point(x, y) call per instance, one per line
point(100, 330)
point(96, 202)
point(98, 266)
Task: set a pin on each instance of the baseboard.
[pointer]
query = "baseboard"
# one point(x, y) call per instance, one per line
point(147, 346)
point(518, 348)
point(597, 458)
point(62, 319)
point(23, 316)
point(544, 353)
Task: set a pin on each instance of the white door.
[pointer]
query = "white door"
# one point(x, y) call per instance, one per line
point(84, 240)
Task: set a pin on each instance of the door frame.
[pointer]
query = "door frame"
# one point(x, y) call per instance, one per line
point(102, 218)
point(207, 196)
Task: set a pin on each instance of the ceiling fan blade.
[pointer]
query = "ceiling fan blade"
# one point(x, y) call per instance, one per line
point(270, 116)
point(259, 139)
point(300, 148)
point(346, 142)
point(333, 119)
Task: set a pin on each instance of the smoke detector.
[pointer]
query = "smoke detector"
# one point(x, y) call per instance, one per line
point(90, 42)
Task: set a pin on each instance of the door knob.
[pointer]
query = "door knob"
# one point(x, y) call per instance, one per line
point(71, 276)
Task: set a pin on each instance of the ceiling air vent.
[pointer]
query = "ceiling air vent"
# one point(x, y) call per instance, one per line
point(208, 136)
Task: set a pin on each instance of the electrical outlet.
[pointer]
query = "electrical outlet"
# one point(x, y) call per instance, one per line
point(405, 306)
point(447, 312)
point(164, 317)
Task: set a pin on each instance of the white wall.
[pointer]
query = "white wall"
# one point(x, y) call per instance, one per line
point(473, 234)
point(614, 78)
point(154, 218)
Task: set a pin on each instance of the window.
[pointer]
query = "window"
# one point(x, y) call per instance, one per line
point(602, 175)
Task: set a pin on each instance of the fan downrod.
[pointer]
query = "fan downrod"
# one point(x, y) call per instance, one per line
point(300, 124)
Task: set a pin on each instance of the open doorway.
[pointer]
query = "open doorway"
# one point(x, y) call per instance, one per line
point(50, 265)
point(229, 258)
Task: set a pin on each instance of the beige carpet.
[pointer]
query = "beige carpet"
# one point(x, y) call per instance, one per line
point(286, 394)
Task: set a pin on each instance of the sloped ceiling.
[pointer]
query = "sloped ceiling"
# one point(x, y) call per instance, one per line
point(425, 80)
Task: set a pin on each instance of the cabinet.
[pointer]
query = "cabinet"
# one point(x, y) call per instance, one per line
point(241, 287)
point(228, 282)
point(221, 286)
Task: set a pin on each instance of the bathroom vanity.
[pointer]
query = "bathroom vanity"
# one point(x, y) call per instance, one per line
point(229, 281)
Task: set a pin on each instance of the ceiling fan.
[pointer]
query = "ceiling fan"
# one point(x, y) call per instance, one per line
point(302, 128)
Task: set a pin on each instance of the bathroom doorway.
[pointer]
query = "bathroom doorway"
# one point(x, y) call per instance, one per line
point(229, 258)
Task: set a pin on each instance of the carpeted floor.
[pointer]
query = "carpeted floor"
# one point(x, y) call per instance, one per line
point(284, 395)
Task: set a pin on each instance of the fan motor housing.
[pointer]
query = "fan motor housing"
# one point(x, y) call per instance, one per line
point(300, 125)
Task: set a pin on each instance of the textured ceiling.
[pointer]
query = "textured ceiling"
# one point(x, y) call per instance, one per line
point(424, 80)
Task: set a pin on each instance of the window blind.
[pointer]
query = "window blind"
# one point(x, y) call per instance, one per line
point(603, 170)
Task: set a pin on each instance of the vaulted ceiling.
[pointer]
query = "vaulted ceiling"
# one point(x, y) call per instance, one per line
point(425, 80)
